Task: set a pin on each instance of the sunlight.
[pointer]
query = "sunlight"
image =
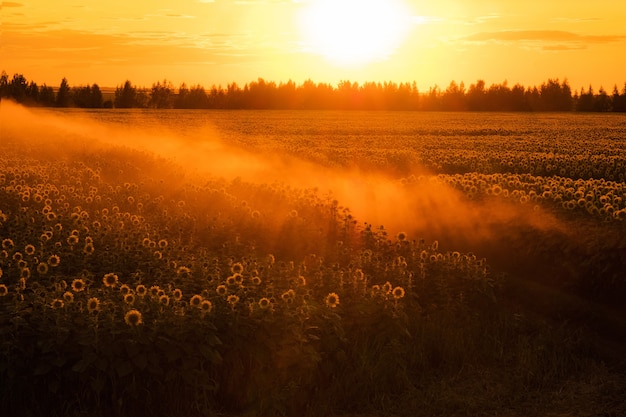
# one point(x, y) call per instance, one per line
point(354, 32)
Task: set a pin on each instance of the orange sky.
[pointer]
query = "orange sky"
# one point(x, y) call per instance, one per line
point(221, 41)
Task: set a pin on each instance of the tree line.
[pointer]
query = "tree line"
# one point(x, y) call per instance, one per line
point(552, 95)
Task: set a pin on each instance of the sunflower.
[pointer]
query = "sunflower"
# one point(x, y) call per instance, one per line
point(68, 296)
point(154, 290)
point(359, 275)
point(42, 268)
point(177, 294)
point(3, 290)
point(397, 293)
point(288, 296)
point(206, 306)
point(25, 273)
point(54, 261)
point(332, 300)
point(133, 318)
point(29, 250)
point(195, 301)
point(141, 290)
point(221, 290)
point(236, 268)
point(129, 298)
point(232, 299)
point(57, 303)
point(88, 249)
point(265, 303)
point(183, 272)
point(110, 280)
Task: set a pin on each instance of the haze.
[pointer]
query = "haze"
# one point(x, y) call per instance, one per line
point(218, 42)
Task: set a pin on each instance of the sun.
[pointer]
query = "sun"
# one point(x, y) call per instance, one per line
point(354, 32)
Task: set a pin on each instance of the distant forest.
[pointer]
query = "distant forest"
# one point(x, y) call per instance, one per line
point(552, 95)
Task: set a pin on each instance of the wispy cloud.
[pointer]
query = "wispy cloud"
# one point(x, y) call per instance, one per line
point(575, 19)
point(11, 4)
point(482, 19)
point(88, 49)
point(554, 40)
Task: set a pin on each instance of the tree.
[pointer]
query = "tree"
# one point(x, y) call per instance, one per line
point(96, 97)
point(556, 96)
point(602, 101)
point(454, 97)
point(585, 100)
point(476, 96)
point(46, 96)
point(17, 88)
point(125, 96)
point(197, 98)
point(32, 93)
point(64, 95)
point(161, 95)
point(619, 100)
point(4, 85)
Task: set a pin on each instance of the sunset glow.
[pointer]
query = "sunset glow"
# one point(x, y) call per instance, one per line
point(222, 41)
point(354, 32)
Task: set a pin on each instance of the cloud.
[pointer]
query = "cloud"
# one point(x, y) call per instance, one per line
point(544, 39)
point(11, 4)
point(576, 19)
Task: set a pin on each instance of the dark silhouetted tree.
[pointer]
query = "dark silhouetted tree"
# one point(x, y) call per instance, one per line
point(96, 97)
point(161, 95)
point(476, 96)
point(4, 85)
point(619, 100)
point(499, 97)
point(454, 97)
point(125, 96)
point(556, 96)
point(602, 101)
point(197, 98)
point(46, 96)
point(17, 88)
point(87, 96)
point(32, 93)
point(64, 94)
point(518, 101)
point(585, 100)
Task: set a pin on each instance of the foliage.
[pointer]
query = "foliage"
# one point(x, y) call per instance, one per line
point(126, 290)
point(552, 95)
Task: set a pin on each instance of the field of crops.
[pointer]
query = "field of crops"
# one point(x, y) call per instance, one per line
point(193, 263)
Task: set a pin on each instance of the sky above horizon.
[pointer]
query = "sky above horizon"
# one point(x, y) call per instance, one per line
point(216, 42)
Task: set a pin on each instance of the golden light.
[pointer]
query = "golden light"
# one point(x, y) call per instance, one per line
point(354, 32)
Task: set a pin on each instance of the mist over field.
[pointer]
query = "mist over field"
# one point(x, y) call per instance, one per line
point(424, 208)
